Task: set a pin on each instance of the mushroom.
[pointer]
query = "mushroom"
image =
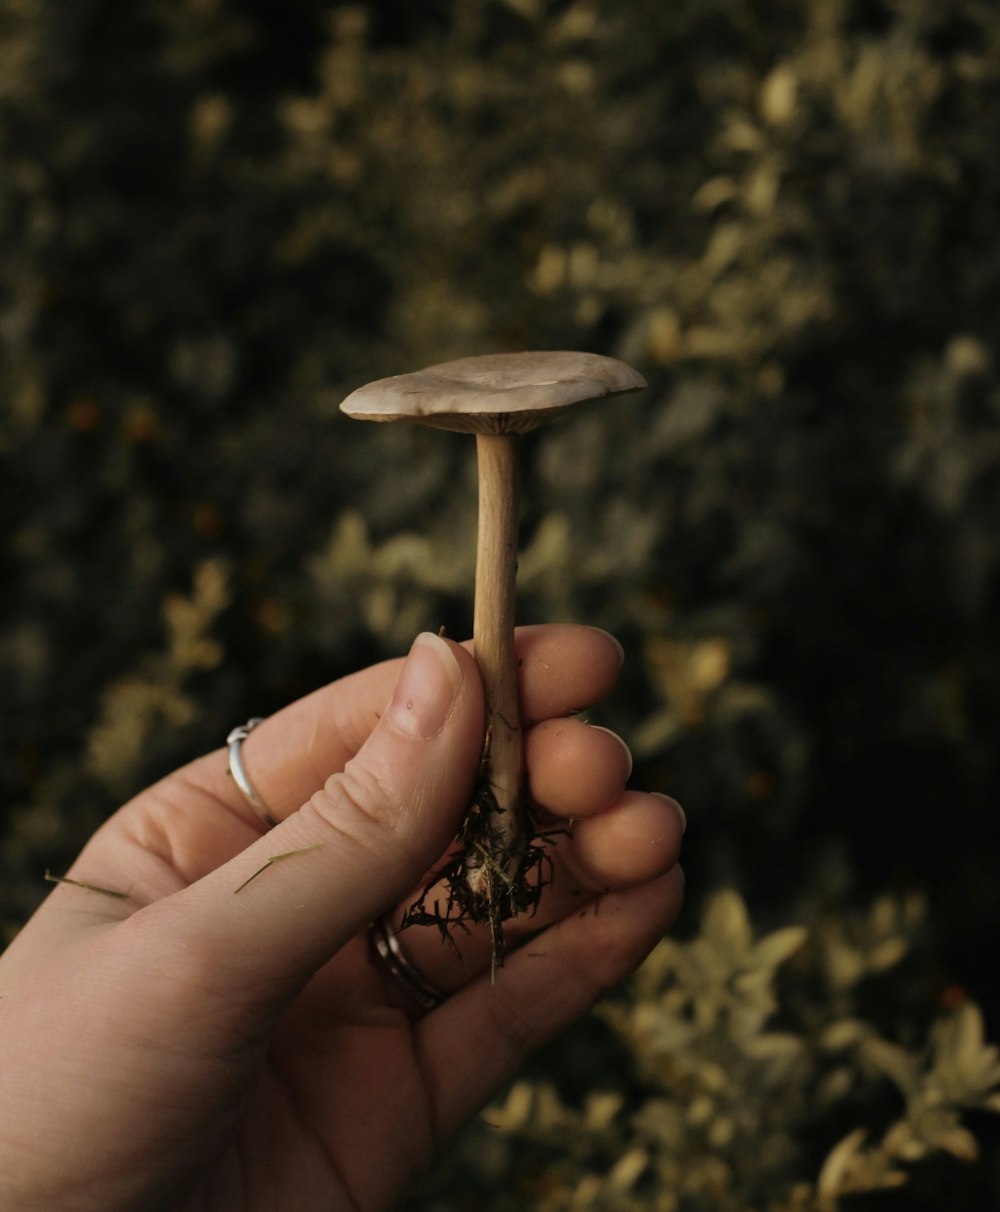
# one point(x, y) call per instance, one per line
point(496, 397)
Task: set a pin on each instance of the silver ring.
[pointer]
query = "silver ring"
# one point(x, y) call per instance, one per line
point(239, 771)
point(401, 968)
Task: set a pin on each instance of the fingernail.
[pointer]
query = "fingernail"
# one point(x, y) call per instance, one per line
point(427, 687)
point(677, 808)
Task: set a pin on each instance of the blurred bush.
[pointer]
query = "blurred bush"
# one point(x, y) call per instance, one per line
point(216, 218)
point(725, 1113)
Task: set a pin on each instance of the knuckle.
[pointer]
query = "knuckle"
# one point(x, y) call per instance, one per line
point(356, 804)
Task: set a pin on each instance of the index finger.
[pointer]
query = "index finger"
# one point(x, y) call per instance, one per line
point(562, 668)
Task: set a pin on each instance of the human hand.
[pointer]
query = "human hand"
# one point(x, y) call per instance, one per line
point(195, 1047)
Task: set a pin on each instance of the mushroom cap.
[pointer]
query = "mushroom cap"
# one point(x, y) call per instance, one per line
point(494, 393)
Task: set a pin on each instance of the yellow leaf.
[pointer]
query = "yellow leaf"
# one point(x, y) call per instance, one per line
point(838, 1163)
point(892, 1061)
point(959, 1142)
point(727, 923)
point(628, 1169)
point(845, 1033)
point(775, 948)
point(779, 95)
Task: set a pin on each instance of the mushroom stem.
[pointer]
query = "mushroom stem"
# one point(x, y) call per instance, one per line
point(493, 632)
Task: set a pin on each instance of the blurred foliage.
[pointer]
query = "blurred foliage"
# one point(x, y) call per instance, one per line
point(723, 1113)
point(219, 216)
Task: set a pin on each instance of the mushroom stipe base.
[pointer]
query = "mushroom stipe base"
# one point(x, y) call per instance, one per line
point(485, 881)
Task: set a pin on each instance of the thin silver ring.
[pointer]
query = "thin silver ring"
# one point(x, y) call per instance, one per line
point(401, 968)
point(239, 771)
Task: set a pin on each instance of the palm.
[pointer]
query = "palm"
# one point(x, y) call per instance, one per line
point(340, 1081)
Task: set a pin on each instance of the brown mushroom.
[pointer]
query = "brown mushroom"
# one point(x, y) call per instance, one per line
point(496, 397)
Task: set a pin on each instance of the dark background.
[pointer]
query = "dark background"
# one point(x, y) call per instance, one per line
point(217, 218)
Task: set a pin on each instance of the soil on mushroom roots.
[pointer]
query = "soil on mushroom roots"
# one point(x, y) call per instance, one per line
point(489, 877)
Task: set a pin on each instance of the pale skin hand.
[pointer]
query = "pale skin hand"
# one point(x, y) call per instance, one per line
point(197, 1048)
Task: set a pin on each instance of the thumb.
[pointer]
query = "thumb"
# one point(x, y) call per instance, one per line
point(357, 846)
